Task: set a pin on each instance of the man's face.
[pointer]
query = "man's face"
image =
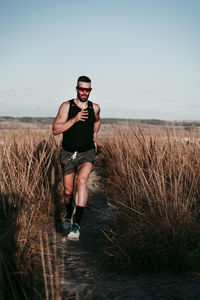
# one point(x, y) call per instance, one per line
point(83, 91)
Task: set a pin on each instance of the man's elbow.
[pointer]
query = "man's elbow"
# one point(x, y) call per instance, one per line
point(98, 121)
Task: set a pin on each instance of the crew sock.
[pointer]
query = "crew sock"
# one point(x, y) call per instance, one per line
point(78, 214)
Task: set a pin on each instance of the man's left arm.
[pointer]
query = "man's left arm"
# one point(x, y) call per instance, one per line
point(97, 124)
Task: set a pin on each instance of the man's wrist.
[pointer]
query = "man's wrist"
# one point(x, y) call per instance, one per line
point(73, 120)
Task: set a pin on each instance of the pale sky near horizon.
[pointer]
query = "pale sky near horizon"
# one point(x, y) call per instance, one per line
point(142, 56)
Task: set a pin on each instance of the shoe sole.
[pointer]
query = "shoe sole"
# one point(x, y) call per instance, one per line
point(72, 239)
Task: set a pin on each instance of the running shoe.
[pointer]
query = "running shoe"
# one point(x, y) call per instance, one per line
point(74, 233)
point(68, 218)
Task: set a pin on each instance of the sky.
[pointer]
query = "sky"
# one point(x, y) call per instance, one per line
point(143, 57)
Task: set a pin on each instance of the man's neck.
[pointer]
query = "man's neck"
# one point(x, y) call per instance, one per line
point(80, 104)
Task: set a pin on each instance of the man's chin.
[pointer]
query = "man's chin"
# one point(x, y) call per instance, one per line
point(83, 99)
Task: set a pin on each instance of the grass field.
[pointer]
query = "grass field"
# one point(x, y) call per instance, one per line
point(152, 184)
point(28, 183)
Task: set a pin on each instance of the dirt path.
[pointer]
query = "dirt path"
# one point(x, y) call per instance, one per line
point(83, 279)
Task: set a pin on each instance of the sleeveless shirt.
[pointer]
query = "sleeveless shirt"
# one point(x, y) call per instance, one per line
point(79, 137)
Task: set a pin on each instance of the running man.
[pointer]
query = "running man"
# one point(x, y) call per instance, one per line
point(79, 122)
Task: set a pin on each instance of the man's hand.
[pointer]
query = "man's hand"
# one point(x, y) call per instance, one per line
point(81, 116)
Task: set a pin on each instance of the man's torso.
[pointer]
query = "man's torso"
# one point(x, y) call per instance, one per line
point(79, 137)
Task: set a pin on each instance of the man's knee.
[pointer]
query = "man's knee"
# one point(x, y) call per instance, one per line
point(82, 181)
point(68, 191)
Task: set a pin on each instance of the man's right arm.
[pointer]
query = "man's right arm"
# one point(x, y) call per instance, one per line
point(60, 123)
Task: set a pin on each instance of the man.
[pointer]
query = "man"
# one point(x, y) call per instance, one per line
point(79, 122)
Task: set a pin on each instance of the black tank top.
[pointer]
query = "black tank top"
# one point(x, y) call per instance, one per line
point(79, 137)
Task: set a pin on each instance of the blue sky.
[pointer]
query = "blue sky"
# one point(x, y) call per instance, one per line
point(142, 56)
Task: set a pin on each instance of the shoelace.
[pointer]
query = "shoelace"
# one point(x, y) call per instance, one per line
point(75, 228)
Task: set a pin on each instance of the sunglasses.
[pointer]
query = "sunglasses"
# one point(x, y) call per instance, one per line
point(88, 90)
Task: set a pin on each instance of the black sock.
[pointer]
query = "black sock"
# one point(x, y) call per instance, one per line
point(78, 214)
point(69, 206)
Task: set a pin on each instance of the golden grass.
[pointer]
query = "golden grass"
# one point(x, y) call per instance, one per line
point(152, 185)
point(29, 180)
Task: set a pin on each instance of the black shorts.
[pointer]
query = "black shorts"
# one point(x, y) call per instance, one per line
point(71, 161)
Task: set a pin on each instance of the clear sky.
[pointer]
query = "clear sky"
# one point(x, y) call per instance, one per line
point(141, 55)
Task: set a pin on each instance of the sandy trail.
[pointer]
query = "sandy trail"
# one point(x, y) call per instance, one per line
point(82, 278)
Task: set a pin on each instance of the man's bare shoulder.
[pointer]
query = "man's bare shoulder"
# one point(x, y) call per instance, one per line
point(65, 104)
point(63, 110)
point(96, 107)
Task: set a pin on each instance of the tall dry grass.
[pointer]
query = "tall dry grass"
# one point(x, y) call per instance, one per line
point(29, 183)
point(152, 185)
point(153, 188)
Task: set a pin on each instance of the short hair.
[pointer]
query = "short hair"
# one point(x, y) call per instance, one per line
point(83, 79)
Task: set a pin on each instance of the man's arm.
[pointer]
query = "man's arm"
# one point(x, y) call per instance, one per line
point(61, 124)
point(97, 124)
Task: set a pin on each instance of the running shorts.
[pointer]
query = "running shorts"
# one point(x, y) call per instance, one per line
point(71, 161)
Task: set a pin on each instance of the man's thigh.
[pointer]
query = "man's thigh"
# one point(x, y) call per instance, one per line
point(67, 164)
point(84, 170)
point(87, 156)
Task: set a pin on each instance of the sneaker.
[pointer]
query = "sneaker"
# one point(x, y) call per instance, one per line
point(74, 233)
point(67, 222)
